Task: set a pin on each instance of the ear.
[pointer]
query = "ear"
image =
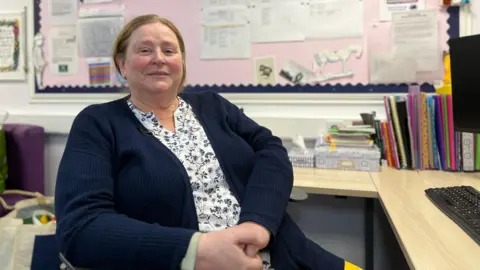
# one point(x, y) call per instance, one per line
point(120, 59)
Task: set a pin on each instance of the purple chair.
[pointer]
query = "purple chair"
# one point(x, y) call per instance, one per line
point(25, 158)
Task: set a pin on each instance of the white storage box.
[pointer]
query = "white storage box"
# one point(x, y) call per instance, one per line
point(302, 158)
point(353, 159)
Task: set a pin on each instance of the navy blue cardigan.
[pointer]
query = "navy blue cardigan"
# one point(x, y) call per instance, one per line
point(123, 200)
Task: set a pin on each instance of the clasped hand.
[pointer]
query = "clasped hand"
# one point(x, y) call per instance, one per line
point(234, 248)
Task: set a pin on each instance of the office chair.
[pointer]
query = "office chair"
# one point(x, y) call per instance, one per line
point(66, 265)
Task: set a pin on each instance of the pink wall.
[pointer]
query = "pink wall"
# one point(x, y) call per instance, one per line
point(185, 14)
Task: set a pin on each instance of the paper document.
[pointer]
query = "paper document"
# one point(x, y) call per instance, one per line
point(389, 6)
point(415, 35)
point(329, 19)
point(61, 12)
point(225, 33)
point(278, 22)
point(224, 16)
point(100, 12)
point(265, 71)
point(230, 42)
point(390, 68)
point(96, 1)
point(63, 50)
point(97, 35)
point(207, 3)
point(257, 2)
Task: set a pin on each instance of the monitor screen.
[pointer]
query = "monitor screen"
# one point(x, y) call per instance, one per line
point(465, 70)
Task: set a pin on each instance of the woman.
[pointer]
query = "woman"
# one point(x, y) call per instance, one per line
point(165, 180)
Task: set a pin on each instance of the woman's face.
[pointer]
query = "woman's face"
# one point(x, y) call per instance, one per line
point(153, 60)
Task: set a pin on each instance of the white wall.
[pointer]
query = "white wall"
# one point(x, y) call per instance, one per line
point(286, 114)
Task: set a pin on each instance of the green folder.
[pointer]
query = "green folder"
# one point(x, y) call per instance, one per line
point(446, 130)
point(477, 154)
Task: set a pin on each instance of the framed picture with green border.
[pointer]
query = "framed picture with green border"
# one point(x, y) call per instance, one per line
point(13, 60)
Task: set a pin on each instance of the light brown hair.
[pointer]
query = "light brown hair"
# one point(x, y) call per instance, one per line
point(121, 43)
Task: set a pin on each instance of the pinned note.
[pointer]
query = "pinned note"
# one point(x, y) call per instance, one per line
point(392, 68)
point(96, 1)
point(265, 71)
point(225, 33)
point(62, 51)
point(98, 30)
point(278, 22)
point(329, 19)
point(99, 70)
point(61, 12)
point(387, 7)
point(209, 3)
point(415, 34)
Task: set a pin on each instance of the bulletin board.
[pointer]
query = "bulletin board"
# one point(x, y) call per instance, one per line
point(231, 75)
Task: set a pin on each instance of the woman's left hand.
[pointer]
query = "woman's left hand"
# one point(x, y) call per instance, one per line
point(261, 236)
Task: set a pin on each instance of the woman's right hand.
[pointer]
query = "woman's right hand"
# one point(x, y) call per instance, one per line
point(223, 250)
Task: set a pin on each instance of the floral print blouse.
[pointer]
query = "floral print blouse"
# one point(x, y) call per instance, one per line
point(216, 206)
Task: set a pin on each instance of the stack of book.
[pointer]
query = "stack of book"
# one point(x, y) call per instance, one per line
point(358, 136)
point(419, 134)
point(348, 148)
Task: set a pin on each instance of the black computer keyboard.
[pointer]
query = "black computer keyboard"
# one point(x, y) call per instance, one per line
point(461, 204)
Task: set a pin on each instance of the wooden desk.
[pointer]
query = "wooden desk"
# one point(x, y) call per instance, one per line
point(428, 238)
point(343, 183)
point(332, 182)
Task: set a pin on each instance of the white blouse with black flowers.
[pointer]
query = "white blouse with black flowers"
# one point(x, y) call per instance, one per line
point(216, 206)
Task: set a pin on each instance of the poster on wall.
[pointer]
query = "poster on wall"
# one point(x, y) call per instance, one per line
point(388, 7)
point(334, 19)
point(61, 12)
point(63, 55)
point(13, 65)
point(265, 73)
point(225, 33)
point(279, 22)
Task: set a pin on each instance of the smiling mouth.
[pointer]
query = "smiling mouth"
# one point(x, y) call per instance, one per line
point(161, 73)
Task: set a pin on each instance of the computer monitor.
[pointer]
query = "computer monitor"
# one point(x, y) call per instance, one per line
point(465, 71)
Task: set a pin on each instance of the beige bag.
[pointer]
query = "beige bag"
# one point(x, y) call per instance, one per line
point(7, 207)
point(17, 238)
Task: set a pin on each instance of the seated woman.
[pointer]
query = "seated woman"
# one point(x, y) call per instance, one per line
point(162, 179)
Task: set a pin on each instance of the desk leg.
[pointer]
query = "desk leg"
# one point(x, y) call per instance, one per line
point(369, 244)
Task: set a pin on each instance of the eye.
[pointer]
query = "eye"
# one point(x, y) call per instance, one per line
point(145, 50)
point(169, 51)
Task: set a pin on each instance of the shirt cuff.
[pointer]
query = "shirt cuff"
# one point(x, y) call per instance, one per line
point(188, 262)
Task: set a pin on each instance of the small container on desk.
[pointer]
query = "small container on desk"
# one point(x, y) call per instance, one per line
point(352, 159)
point(302, 158)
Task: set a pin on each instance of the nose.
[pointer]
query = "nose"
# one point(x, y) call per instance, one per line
point(159, 57)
